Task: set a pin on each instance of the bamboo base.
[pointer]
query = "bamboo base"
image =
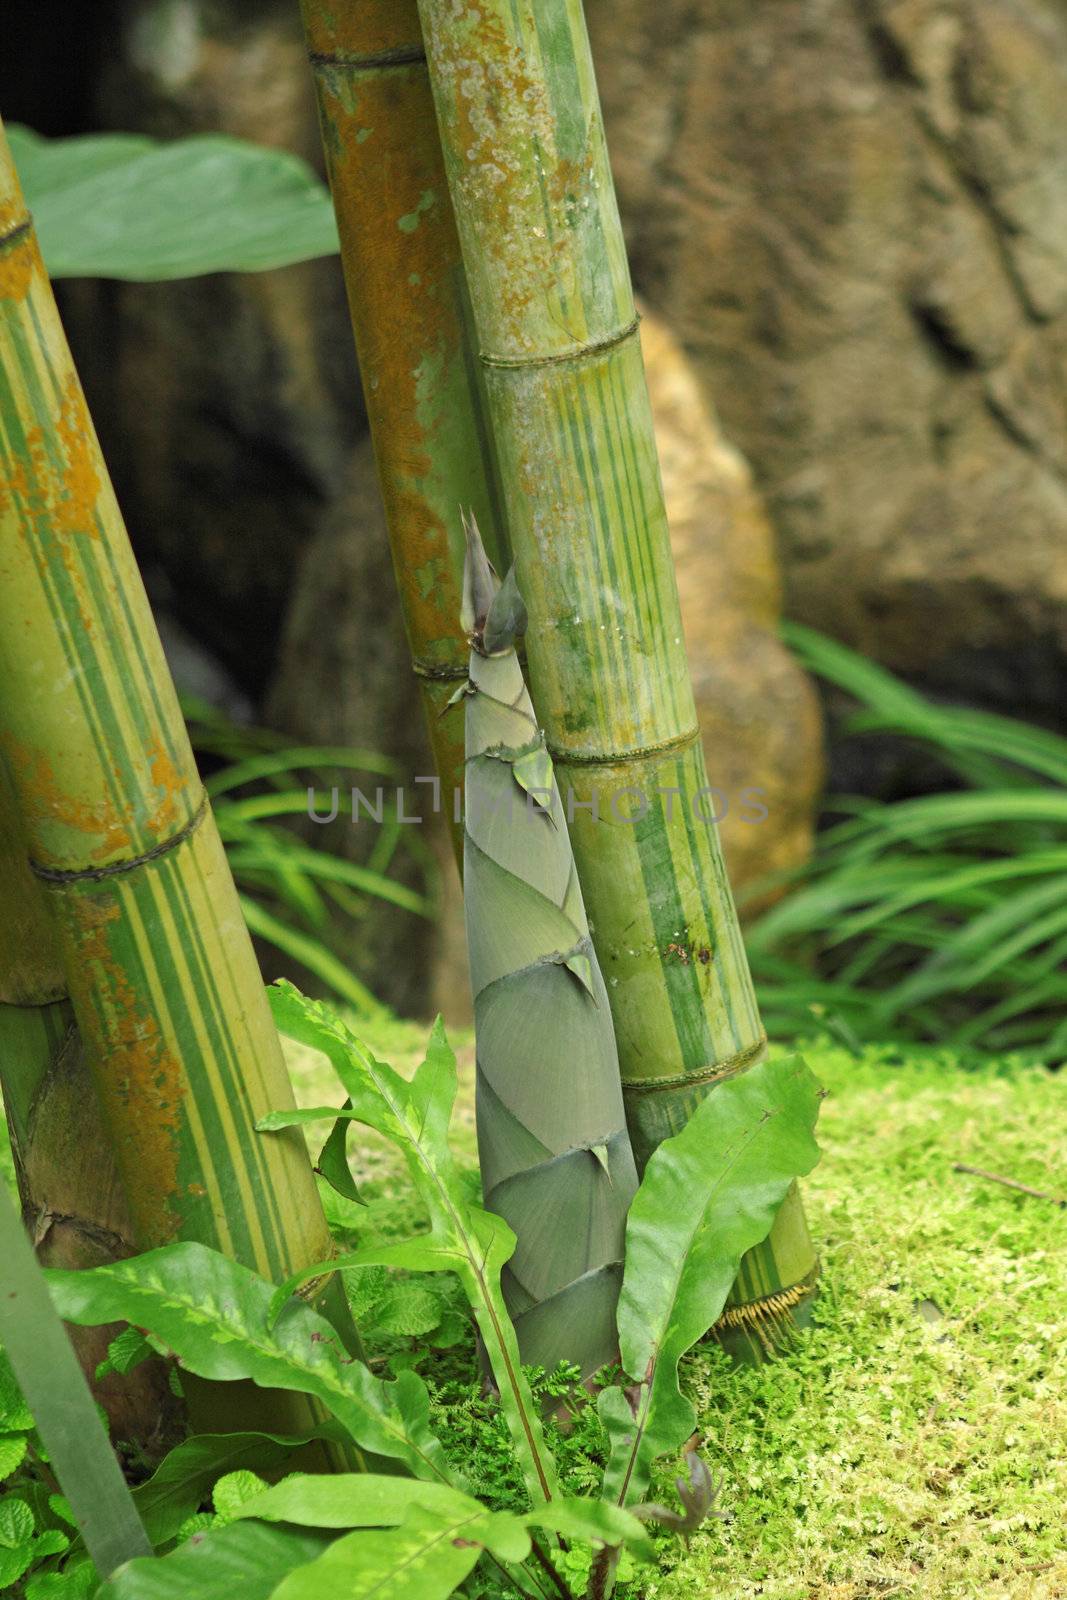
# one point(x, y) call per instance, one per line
point(760, 1330)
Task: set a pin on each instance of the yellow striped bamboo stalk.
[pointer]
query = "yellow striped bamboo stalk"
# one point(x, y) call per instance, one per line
point(73, 1204)
point(161, 971)
point(546, 267)
point(410, 315)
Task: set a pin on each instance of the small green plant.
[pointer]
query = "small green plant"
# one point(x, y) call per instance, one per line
point(939, 918)
point(708, 1195)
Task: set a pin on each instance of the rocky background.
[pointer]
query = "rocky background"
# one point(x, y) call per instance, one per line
point(848, 223)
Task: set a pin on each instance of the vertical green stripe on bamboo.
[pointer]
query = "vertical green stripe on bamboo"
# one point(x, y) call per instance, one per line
point(545, 262)
point(410, 309)
point(162, 974)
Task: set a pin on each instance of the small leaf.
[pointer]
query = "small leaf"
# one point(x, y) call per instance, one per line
point(51, 1542)
point(197, 1522)
point(452, 1328)
point(333, 1160)
point(14, 1562)
point(126, 1351)
point(15, 1415)
point(408, 1310)
point(365, 1286)
point(16, 1522)
point(60, 1507)
point(698, 1497)
point(12, 1453)
point(73, 1583)
point(232, 1491)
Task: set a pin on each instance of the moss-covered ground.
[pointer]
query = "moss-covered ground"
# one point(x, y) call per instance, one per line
point(912, 1445)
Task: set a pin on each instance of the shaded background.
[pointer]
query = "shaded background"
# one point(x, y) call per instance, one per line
point(848, 224)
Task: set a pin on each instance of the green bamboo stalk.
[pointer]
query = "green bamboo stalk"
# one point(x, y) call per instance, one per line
point(554, 1152)
point(73, 1204)
point(64, 1412)
point(162, 975)
point(410, 314)
point(546, 267)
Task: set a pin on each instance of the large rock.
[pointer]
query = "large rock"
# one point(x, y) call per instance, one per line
point(758, 712)
point(855, 217)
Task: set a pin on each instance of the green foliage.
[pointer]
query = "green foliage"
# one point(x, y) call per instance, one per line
point(184, 1480)
point(938, 918)
point(708, 1195)
point(296, 896)
point(214, 1315)
point(222, 1322)
point(16, 1422)
point(121, 205)
point(463, 1237)
point(22, 1545)
point(246, 1559)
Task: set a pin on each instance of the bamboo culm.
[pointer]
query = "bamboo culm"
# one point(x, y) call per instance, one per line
point(160, 967)
point(546, 267)
point(410, 311)
point(73, 1204)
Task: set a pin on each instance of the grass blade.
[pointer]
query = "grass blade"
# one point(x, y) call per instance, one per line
point(56, 1392)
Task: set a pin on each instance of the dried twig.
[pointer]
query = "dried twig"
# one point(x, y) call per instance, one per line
point(1010, 1183)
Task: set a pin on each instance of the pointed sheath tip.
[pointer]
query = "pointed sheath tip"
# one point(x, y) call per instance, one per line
point(480, 582)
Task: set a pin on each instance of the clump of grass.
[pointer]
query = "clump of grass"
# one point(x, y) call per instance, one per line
point(295, 895)
point(938, 918)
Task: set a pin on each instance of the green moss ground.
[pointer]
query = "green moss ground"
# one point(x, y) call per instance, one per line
point(914, 1442)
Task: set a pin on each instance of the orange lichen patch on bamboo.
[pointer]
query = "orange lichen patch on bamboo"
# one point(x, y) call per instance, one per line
point(178, 788)
point(54, 503)
point(405, 313)
point(74, 510)
point(493, 134)
point(46, 801)
point(20, 265)
point(13, 211)
point(143, 1087)
point(368, 29)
